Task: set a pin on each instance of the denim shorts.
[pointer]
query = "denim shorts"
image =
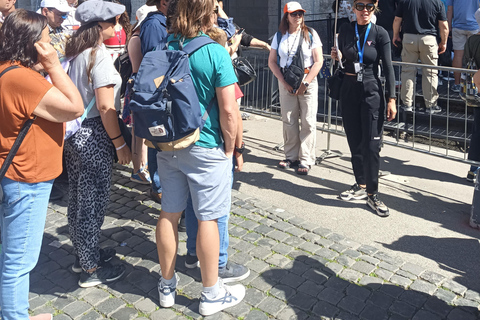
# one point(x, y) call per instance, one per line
point(205, 173)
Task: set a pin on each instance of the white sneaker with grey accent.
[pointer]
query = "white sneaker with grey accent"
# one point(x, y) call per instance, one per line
point(376, 204)
point(355, 192)
point(229, 296)
point(167, 293)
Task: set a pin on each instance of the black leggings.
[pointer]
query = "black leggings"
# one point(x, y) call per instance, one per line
point(363, 108)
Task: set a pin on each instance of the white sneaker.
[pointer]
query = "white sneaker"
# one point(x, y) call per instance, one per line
point(167, 294)
point(229, 296)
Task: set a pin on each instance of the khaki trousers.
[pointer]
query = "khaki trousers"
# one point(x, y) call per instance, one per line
point(300, 138)
point(425, 48)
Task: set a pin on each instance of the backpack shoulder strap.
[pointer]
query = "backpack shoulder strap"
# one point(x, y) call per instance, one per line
point(196, 44)
point(8, 69)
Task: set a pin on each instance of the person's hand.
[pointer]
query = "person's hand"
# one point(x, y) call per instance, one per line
point(301, 90)
point(395, 40)
point(476, 78)
point(236, 38)
point(391, 110)
point(47, 55)
point(124, 155)
point(442, 47)
point(239, 162)
point(288, 87)
point(336, 55)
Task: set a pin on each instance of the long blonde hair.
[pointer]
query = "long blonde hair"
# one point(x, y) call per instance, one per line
point(191, 17)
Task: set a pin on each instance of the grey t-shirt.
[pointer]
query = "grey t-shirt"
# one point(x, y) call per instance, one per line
point(103, 74)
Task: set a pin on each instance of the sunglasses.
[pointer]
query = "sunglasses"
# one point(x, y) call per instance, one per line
point(215, 10)
point(297, 14)
point(58, 13)
point(362, 6)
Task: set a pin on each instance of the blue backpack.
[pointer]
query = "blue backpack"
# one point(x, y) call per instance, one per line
point(165, 106)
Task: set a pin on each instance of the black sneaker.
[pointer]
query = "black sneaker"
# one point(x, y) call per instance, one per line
point(103, 274)
point(191, 262)
point(105, 255)
point(377, 205)
point(233, 272)
point(355, 192)
point(182, 227)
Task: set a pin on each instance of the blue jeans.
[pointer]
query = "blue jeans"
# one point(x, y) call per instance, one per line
point(153, 169)
point(192, 229)
point(22, 220)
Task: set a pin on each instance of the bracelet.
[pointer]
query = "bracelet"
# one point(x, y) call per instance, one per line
point(116, 137)
point(122, 146)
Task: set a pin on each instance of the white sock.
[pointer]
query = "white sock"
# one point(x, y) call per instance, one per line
point(212, 292)
point(169, 283)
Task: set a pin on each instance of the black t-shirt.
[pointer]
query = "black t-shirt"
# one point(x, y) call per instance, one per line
point(377, 47)
point(472, 46)
point(421, 16)
point(387, 13)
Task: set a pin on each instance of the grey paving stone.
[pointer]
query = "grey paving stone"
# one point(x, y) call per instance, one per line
point(336, 283)
point(316, 276)
point(281, 213)
point(145, 247)
point(296, 221)
point(327, 253)
point(388, 266)
point(331, 295)
point(424, 315)
point(414, 298)
point(400, 281)
point(261, 284)
point(392, 291)
point(335, 237)
point(249, 224)
point(257, 265)
point(373, 312)
point(309, 247)
point(323, 232)
point(278, 235)
point(454, 286)
point(241, 258)
point(406, 274)
point(303, 301)
point(358, 292)
point(91, 315)
point(252, 237)
point(373, 283)
point(254, 297)
point(292, 280)
point(109, 306)
point(369, 259)
point(350, 275)
point(412, 268)
point(368, 250)
point(244, 246)
point(403, 309)
point(295, 231)
point(146, 305)
point(237, 232)
point(125, 314)
point(459, 314)
point(282, 248)
point(325, 310)
point(383, 274)
point(316, 262)
point(240, 310)
point(41, 286)
point(256, 315)
point(324, 242)
point(345, 260)
point(282, 226)
point(352, 305)
point(363, 267)
point(311, 237)
point(271, 305)
point(261, 252)
point(334, 267)
point(266, 242)
point(163, 314)
point(95, 296)
point(143, 280)
point(393, 260)
point(445, 295)
point(282, 292)
point(380, 299)
point(77, 308)
point(350, 243)
point(264, 229)
point(338, 247)
point(462, 302)
point(423, 286)
point(297, 267)
point(311, 288)
point(472, 295)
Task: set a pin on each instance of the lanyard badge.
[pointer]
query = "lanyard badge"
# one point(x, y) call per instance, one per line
point(361, 49)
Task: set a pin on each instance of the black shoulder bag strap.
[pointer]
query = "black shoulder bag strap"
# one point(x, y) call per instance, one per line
point(18, 141)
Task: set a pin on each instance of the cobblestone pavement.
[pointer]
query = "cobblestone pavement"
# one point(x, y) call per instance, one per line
point(298, 270)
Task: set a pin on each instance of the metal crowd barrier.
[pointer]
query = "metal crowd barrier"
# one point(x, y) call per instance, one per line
point(445, 134)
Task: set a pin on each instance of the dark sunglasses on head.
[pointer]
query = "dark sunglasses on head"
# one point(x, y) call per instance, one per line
point(215, 10)
point(361, 6)
point(297, 14)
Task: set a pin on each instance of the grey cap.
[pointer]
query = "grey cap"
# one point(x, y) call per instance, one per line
point(97, 10)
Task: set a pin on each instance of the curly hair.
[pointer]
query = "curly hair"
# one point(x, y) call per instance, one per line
point(18, 35)
point(191, 17)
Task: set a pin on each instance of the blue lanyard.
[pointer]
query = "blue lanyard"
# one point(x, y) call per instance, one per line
point(361, 50)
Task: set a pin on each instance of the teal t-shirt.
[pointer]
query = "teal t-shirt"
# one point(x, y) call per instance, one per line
point(210, 68)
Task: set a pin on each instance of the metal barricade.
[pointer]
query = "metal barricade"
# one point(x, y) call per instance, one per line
point(445, 134)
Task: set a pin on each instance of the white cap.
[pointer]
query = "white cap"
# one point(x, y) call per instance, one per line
point(142, 13)
point(477, 16)
point(60, 5)
point(292, 6)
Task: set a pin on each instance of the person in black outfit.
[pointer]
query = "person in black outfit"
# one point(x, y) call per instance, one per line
point(361, 45)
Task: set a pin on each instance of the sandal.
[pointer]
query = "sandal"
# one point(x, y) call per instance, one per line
point(285, 164)
point(303, 169)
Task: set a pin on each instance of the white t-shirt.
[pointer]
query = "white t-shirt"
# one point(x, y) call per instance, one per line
point(289, 44)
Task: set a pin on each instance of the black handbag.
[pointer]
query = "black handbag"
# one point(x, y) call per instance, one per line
point(335, 83)
point(124, 68)
point(294, 73)
point(244, 71)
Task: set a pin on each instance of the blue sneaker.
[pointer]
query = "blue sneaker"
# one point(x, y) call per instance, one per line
point(142, 176)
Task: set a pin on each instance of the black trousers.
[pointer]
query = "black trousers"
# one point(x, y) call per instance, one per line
point(363, 109)
point(474, 151)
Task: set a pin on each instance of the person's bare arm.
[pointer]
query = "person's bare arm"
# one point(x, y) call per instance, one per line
point(449, 16)
point(397, 23)
point(63, 101)
point(259, 44)
point(443, 29)
point(239, 141)
point(135, 53)
point(228, 116)
point(106, 107)
point(235, 44)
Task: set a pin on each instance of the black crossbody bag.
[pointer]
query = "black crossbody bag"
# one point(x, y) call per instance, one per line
point(18, 141)
point(294, 73)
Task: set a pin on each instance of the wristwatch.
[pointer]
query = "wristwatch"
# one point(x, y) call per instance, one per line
point(241, 149)
point(306, 84)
